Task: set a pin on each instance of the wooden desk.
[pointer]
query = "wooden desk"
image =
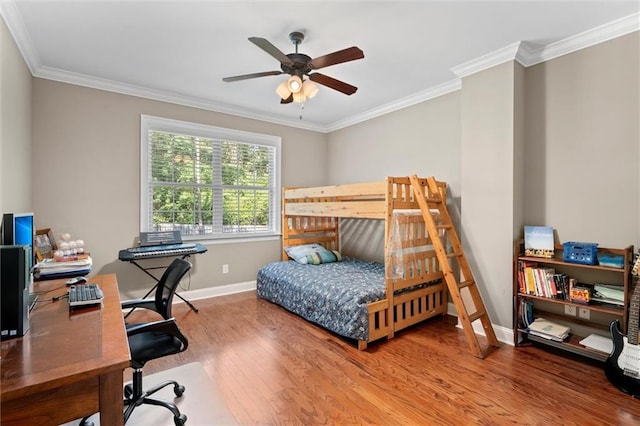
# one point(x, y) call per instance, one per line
point(69, 364)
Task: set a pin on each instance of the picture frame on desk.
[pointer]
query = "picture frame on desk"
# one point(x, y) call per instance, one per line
point(44, 244)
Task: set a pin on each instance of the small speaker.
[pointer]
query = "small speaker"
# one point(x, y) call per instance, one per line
point(15, 278)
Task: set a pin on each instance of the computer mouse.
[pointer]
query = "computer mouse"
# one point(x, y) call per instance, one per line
point(76, 280)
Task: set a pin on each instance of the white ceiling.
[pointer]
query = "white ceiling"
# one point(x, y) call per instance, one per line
point(179, 51)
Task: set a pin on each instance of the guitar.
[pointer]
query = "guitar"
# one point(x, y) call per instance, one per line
point(622, 367)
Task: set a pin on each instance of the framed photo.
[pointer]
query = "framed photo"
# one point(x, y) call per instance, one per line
point(538, 241)
point(44, 244)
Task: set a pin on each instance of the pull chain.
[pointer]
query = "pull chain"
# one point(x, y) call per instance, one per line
point(301, 110)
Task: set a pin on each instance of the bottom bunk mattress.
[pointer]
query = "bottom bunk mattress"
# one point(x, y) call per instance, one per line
point(332, 295)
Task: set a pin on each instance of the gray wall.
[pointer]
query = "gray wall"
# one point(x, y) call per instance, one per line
point(486, 231)
point(559, 146)
point(583, 144)
point(87, 175)
point(15, 127)
point(423, 139)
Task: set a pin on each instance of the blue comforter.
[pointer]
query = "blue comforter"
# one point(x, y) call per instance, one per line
point(332, 295)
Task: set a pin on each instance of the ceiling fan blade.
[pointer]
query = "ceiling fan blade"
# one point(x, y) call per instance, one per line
point(344, 55)
point(288, 100)
point(248, 76)
point(331, 82)
point(266, 45)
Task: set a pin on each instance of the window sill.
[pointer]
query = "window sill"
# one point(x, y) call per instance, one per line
point(233, 240)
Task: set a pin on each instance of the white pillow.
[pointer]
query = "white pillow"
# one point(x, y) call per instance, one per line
point(312, 254)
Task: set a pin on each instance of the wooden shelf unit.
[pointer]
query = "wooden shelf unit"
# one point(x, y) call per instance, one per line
point(553, 309)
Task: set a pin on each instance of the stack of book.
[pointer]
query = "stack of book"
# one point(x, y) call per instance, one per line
point(549, 330)
point(50, 269)
point(543, 282)
point(611, 294)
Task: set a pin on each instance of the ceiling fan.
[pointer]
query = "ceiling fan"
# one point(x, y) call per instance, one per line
point(299, 65)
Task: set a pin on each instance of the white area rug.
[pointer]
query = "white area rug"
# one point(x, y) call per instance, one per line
point(201, 401)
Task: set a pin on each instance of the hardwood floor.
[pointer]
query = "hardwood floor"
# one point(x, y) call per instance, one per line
point(273, 367)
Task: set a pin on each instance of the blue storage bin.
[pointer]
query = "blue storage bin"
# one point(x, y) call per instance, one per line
point(575, 252)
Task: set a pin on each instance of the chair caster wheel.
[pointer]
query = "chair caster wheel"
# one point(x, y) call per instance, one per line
point(180, 421)
point(128, 391)
point(178, 390)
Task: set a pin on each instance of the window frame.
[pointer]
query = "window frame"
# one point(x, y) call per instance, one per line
point(152, 123)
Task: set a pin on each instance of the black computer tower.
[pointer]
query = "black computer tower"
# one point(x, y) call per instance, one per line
point(15, 279)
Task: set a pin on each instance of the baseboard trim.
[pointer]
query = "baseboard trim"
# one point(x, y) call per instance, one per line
point(223, 290)
point(503, 334)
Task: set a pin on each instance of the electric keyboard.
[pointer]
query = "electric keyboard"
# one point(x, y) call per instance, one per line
point(164, 250)
point(85, 294)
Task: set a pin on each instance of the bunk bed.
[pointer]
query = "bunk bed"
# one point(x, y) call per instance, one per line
point(357, 299)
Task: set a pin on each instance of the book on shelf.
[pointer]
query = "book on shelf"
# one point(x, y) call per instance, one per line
point(562, 286)
point(543, 282)
point(525, 274)
point(525, 314)
point(538, 241)
point(598, 343)
point(611, 294)
point(543, 276)
point(522, 280)
point(549, 330)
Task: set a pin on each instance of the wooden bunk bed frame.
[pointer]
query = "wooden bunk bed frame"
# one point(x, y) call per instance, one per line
point(312, 215)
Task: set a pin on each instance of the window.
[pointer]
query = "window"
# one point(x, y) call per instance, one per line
point(208, 182)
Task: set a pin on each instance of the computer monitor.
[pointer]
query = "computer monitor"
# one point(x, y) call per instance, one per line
point(18, 229)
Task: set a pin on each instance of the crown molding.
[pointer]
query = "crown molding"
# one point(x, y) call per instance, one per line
point(15, 24)
point(422, 96)
point(528, 54)
point(497, 57)
point(597, 35)
point(165, 96)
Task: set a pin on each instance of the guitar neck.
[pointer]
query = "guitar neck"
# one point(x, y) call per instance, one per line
point(634, 309)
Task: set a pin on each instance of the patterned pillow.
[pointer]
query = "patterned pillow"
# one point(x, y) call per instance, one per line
point(312, 254)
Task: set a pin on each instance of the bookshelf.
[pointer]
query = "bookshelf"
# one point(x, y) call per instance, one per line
point(583, 319)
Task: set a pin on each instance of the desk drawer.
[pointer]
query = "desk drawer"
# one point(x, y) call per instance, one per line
point(53, 407)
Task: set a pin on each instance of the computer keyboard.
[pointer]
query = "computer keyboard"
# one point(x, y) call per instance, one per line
point(85, 294)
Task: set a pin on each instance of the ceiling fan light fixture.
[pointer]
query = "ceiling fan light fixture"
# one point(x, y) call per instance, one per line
point(294, 84)
point(299, 97)
point(298, 65)
point(310, 89)
point(283, 90)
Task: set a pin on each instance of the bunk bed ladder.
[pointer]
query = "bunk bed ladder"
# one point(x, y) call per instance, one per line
point(433, 207)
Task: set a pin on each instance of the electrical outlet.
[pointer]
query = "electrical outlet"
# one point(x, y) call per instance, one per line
point(225, 268)
point(584, 313)
point(570, 310)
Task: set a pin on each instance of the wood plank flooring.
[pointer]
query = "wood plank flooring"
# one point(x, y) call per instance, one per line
point(273, 367)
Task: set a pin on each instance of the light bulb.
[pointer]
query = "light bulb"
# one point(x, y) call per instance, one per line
point(294, 83)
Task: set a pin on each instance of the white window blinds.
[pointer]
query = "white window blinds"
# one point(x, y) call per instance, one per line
point(208, 182)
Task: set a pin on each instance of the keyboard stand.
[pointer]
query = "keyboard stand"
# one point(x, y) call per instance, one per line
point(146, 271)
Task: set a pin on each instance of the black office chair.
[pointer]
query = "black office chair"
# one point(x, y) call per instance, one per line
point(165, 289)
point(151, 340)
point(157, 339)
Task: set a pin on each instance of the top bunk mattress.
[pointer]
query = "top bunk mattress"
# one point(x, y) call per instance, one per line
point(332, 295)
